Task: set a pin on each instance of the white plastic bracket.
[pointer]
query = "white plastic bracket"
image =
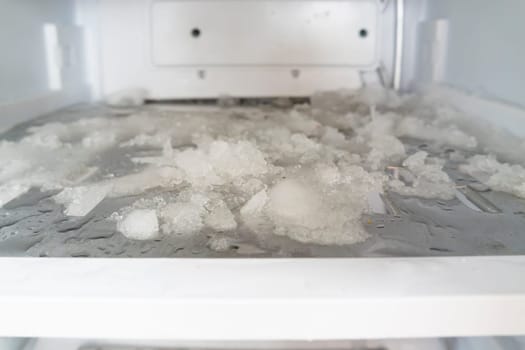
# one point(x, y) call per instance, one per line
point(53, 57)
point(434, 49)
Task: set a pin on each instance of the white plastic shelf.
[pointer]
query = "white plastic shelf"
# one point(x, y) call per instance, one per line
point(265, 299)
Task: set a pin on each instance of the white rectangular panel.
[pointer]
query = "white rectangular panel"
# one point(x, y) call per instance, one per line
point(243, 49)
point(262, 299)
point(263, 33)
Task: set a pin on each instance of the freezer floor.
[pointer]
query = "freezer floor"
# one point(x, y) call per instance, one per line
point(34, 224)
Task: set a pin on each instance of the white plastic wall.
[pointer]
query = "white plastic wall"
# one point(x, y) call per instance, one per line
point(474, 45)
point(473, 50)
point(486, 46)
point(39, 73)
point(23, 69)
point(246, 48)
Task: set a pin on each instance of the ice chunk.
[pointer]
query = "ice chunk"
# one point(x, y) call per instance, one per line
point(197, 168)
point(255, 205)
point(248, 186)
point(384, 149)
point(377, 137)
point(322, 205)
point(186, 216)
point(328, 173)
point(220, 218)
point(417, 162)
point(182, 218)
point(293, 202)
point(47, 136)
point(221, 162)
point(79, 201)
point(282, 146)
point(237, 159)
point(498, 176)
point(79, 174)
point(332, 136)
point(10, 191)
point(252, 213)
point(377, 95)
point(11, 168)
point(447, 134)
point(299, 123)
point(311, 213)
point(139, 224)
point(429, 180)
point(140, 182)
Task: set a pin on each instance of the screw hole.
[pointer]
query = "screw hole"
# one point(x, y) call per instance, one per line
point(195, 32)
point(363, 33)
point(296, 73)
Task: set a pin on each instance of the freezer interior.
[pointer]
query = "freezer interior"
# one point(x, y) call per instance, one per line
point(225, 128)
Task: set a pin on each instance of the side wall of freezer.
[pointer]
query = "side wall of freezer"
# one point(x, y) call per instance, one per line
point(475, 45)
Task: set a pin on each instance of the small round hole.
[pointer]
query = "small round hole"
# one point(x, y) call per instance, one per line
point(363, 33)
point(195, 32)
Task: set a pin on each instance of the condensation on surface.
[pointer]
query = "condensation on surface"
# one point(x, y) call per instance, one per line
point(248, 179)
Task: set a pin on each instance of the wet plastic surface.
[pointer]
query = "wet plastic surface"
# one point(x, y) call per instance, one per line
point(487, 223)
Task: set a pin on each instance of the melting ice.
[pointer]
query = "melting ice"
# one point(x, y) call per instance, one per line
point(304, 173)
